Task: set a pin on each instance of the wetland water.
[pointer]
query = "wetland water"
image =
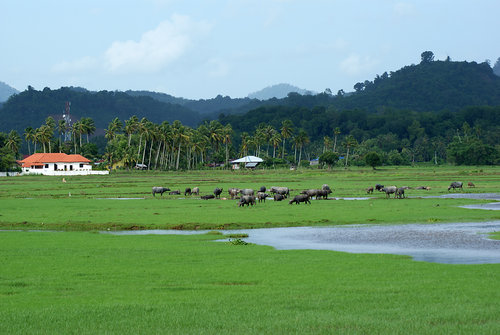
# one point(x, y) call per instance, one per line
point(451, 243)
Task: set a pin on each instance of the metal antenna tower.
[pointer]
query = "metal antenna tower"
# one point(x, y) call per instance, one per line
point(67, 119)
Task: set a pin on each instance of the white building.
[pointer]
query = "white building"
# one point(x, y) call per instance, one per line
point(57, 164)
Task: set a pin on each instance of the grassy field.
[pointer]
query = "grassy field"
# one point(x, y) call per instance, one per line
point(84, 282)
point(88, 202)
point(87, 283)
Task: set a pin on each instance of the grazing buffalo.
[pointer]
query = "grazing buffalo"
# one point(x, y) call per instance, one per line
point(311, 193)
point(176, 192)
point(423, 188)
point(454, 185)
point(262, 189)
point(262, 196)
point(233, 192)
point(187, 191)
point(195, 190)
point(278, 197)
point(160, 190)
point(389, 190)
point(217, 192)
point(208, 196)
point(300, 198)
point(285, 191)
point(400, 193)
point(247, 191)
point(471, 184)
point(369, 190)
point(379, 187)
point(246, 200)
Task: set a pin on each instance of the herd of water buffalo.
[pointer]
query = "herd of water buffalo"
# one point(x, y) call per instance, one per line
point(249, 197)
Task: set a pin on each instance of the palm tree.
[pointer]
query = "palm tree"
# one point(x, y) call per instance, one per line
point(29, 136)
point(141, 127)
point(327, 143)
point(349, 142)
point(244, 143)
point(275, 141)
point(286, 132)
point(88, 126)
point(13, 142)
point(74, 132)
point(131, 126)
point(215, 134)
point(336, 132)
point(227, 132)
point(302, 139)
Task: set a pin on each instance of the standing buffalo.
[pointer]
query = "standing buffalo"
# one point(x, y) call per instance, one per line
point(195, 190)
point(233, 192)
point(217, 192)
point(187, 191)
point(454, 185)
point(369, 190)
point(379, 187)
point(278, 197)
point(262, 189)
point(326, 188)
point(300, 198)
point(160, 190)
point(471, 184)
point(400, 193)
point(389, 190)
point(262, 196)
point(247, 191)
point(246, 200)
point(323, 194)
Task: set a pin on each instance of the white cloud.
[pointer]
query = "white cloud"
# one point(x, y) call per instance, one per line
point(356, 65)
point(157, 48)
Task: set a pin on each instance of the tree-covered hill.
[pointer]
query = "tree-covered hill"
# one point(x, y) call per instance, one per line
point(32, 107)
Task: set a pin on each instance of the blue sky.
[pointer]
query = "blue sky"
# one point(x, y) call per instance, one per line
point(199, 49)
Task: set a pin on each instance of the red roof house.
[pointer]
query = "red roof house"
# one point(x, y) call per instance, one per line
point(56, 164)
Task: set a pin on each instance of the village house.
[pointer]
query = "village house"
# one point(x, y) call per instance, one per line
point(57, 164)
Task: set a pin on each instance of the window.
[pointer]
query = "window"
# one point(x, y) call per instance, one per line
point(46, 166)
point(81, 165)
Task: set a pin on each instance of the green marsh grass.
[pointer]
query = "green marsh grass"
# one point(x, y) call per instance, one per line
point(88, 283)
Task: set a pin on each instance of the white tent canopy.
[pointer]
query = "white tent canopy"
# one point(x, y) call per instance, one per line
point(248, 159)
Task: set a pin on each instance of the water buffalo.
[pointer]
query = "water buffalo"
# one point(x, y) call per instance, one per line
point(379, 187)
point(262, 196)
point(278, 197)
point(195, 190)
point(160, 190)
point(326, 188)
point(284, 191)
point(311, 193)
point(454, 185)
point(400, 193)
point(423, 188)
point(246, 200)
point(369, 190)
point(262, 189)
point(389, 190)
point(247, 191)
point(176, 192)
point(208, 196)
point(323, 194)
point(471, 184)
point(187, 191)
point(300, 198)
point(233, 192)
point(217, 192)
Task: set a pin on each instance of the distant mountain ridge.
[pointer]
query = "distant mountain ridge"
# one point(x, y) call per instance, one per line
point(278, 91)
point(6, 91)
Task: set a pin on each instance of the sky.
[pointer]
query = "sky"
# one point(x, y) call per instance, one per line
point(199, 49)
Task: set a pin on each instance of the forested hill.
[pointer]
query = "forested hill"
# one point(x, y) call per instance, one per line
point(431, 86)
point(32, 107)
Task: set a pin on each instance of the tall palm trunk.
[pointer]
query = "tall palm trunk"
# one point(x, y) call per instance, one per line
point(178, 156)
point(144, 152)
point(150, 151)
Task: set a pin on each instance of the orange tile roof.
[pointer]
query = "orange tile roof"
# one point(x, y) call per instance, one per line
point(41, 158)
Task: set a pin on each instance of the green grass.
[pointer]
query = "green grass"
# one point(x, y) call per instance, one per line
point(38, 202)
point(87, 283)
